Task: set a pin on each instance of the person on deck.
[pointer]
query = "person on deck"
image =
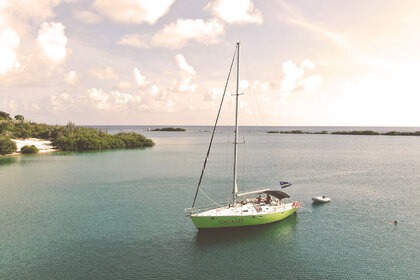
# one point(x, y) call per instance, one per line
point(268, 199)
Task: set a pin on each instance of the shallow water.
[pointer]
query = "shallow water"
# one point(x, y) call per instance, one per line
point(119, 214)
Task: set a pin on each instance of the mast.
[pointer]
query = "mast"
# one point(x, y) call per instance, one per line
point(214, 127)
point(235, 149)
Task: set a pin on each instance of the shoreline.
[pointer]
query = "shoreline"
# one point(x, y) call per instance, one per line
point(352, 132)
point(44, 146)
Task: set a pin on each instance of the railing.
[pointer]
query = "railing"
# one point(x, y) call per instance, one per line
point(196, 210)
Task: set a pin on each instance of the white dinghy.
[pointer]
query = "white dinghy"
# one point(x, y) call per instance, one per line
point(321, 199)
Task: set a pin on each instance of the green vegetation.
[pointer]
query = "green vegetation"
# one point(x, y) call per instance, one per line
point(169, 129)
point(356, 132)
point(19, 118)
point(66, 138)
point(353, 132)
point(7, 146)
point(288, 132)
point(4, 116)
point(88, 139)
point(29, 149)
point(296, 132)
point(396, 133)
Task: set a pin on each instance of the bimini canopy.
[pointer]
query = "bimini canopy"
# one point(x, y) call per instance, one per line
point(278, 194)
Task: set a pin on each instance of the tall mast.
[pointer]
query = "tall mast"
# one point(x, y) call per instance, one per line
point(235, 149)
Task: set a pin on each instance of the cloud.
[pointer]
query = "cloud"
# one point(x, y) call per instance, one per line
point(24, 9)
point(71, 78)
point(105, 73)
point(156, 100)
point(60, 102)
point(187, 74)
point(235, 12)
point(178, 34)
point(139, 78)
point(18, 22)
point(294, 80)
point(133, 11)
point(52, 40)
point(150, 99)
point(212, 95)
point(135, 40)
point(114, 101)
point(9, 41)
point(183, 64)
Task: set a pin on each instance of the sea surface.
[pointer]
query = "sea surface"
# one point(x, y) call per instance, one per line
point(120, 214)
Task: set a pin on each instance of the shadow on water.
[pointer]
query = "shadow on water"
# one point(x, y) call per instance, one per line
point(319, 204)
point(215, 237)
point(7, 160)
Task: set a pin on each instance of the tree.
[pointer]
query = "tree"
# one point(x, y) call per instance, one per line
point(29, 149)
point(7, 146)
point(19, 118)
point(4, 116)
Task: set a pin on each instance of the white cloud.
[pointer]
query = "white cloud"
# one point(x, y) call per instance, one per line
point(26, 9)
point(105, 73)
point(161, 101)
point(59, 102)
point(149, 98)
point(187, 74)
point(87, 16)
point(9, 41)
point(2, 13)
point(52, 40)
point(114, 101)
point(71, 78)
point(235, 12)
point(177, 34)
point(140, 79)
point(134, 40)
point(213, 95)
point(311, 83)
point(292, 74)
point(183, 64)
point(308, 64)
point(243, 85)
point(294, 77)
point(133, 11)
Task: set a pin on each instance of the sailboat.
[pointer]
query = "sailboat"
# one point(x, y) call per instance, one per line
point(244, 209)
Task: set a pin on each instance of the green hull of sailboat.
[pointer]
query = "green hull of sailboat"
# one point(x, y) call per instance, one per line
point(209, 222)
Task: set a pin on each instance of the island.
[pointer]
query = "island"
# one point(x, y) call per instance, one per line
point(178, 129)
point(353, 132)
point(297, 132)
point(17, 133)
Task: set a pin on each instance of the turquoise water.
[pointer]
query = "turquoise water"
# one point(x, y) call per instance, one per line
point(120, 214)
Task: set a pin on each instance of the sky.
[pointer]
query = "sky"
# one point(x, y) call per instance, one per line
point(165, 62)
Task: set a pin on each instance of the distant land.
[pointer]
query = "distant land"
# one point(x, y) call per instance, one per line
point(353, 132)
point(64, 137)
point(169, 129)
